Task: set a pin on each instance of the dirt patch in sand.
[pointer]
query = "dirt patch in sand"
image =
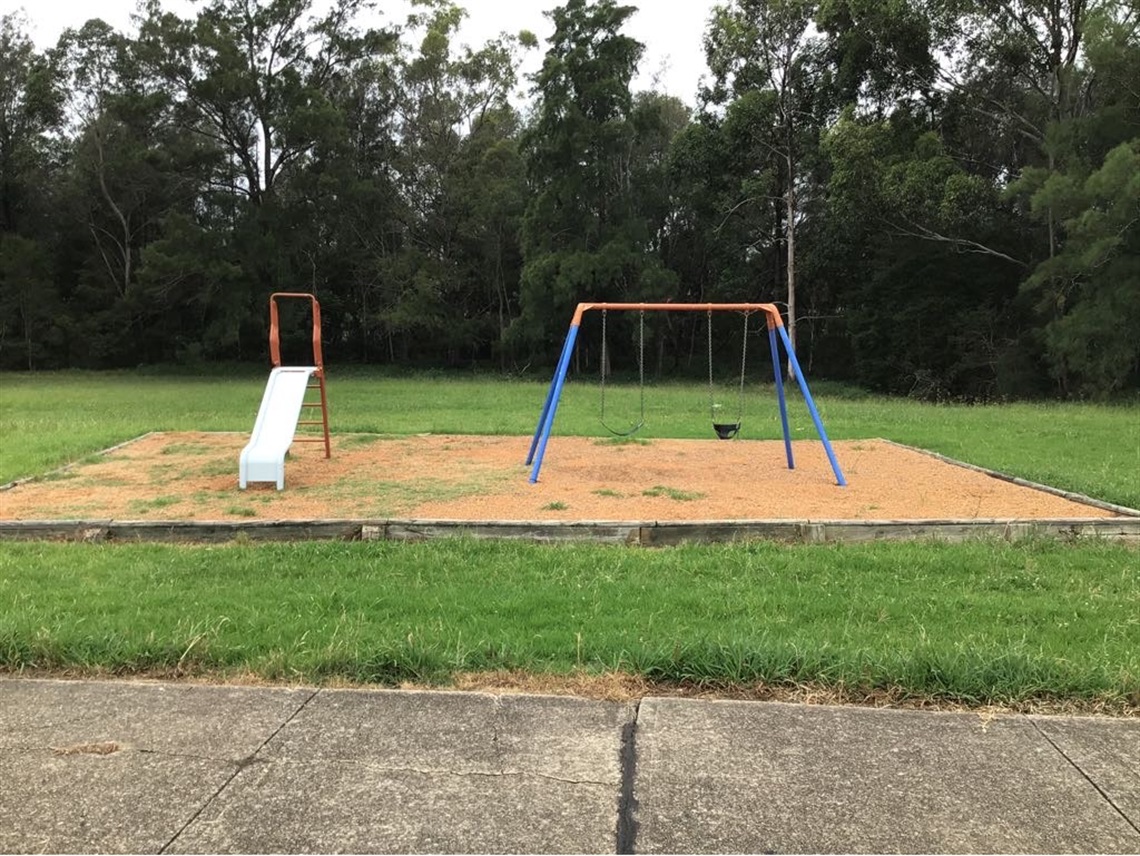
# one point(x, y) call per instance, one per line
point(193, 476)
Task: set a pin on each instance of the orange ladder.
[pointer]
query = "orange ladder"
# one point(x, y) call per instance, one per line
point(318, 362)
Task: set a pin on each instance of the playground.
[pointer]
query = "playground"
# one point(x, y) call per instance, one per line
point(474, 479)
point(963, 593)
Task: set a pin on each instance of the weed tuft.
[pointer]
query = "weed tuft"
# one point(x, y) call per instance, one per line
point(144, 506)
point(623, 441)
point(673, 493)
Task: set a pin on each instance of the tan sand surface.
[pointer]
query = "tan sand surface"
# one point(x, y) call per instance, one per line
point(194, 476)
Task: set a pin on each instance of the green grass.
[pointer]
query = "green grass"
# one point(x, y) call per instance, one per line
point(141, 506)
point(980, 622)
point(50, 419)
point(672, 492)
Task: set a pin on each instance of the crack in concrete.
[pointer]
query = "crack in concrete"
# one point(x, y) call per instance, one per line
point(627, 825)
point(496, 747)
point(240, 765)
point(1087, 777)
point(189, 756)
point(126, 749)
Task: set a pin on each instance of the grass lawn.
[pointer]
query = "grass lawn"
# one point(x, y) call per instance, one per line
point(974, 623)
point(978, 622)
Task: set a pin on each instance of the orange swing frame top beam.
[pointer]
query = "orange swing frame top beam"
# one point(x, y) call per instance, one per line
point(770, 310)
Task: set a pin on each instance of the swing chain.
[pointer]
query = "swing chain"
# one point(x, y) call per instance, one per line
point(640, 376)
point(743, 370)
point(603, 413)
point(712, 397)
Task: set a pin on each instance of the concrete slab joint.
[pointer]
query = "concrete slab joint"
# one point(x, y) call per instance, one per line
point(626, 827)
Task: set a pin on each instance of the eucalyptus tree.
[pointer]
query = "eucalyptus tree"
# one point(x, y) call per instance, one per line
point(764, 49)
point(254, 76)
point(924, 317)
point(132, 170)
point(583, 236)
point(31, 109)
point(258, 80)
point(456, 128)
point(1087, 291)
point(31, 100)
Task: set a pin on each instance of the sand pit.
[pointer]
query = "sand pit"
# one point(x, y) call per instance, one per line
point(193, 476)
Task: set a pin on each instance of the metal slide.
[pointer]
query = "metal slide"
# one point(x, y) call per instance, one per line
point(263, 458)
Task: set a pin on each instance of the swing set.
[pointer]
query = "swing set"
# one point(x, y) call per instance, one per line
point(724, 430)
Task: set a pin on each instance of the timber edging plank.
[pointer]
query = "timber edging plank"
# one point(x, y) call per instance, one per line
point(634, 533)
point(542, 531)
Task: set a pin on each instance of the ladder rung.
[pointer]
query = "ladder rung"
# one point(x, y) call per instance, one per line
point(310, 404)
point(310, 422)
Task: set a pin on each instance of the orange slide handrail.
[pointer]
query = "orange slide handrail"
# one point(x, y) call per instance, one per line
point(275, 333)
point(769, 309)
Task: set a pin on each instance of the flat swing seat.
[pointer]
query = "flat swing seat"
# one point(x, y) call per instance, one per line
point(726, 430)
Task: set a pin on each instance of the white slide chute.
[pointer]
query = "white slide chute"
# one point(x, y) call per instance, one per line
point(263, 458)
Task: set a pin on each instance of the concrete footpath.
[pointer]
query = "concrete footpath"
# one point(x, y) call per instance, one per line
point(178, 768)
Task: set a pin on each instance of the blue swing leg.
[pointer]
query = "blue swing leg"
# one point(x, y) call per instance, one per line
point(546, 407)
point(840, 480)
point(546, 420)
point(781, 397)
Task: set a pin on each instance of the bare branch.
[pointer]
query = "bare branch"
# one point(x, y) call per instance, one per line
point(961, 244)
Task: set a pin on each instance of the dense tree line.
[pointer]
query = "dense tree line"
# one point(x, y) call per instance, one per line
point(943, 194)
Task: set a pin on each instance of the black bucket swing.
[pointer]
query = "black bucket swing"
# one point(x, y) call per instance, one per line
point(628, 432)
point(728, 430)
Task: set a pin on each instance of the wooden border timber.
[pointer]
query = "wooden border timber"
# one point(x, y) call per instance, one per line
point(634, 533)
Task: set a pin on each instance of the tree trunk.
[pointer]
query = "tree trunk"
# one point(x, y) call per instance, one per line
point(790, 198)
point(27, 331)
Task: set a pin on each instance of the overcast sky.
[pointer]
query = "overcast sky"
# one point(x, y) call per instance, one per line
point(670, 29)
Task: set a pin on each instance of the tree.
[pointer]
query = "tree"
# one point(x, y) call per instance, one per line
point(254, 77)
point(131, 169)
point(1018, 66)
point(1093, 283)
point(878, 52)
point(259, 81)
point(582, 236)
point(31, 102)
point(763, 46)
point(28, 311)
point(1088, 290)
point(453, 109)
point(925, 316)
